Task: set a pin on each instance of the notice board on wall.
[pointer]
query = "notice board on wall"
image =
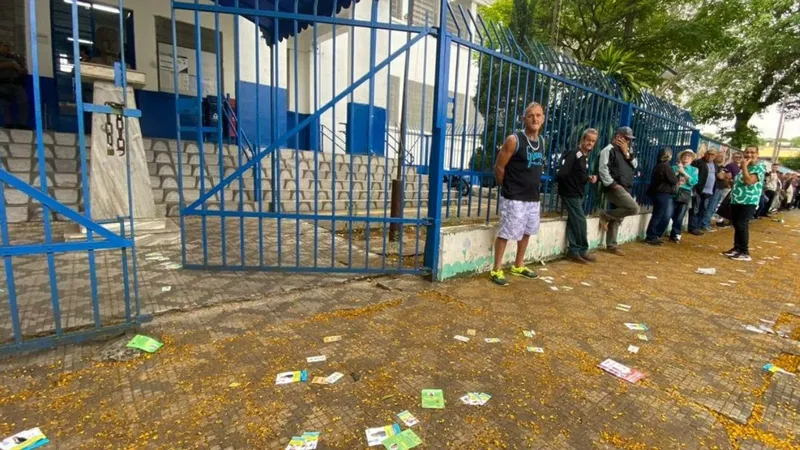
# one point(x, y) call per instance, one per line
point(186, 63)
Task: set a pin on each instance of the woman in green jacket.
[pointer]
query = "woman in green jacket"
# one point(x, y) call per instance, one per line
point(687, 178)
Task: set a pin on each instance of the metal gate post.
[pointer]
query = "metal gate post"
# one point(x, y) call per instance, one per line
point(436, 161)
point(626, 119)
point(694, 143)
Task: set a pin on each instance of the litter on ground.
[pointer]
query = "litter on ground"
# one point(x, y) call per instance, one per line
point(774, 369)
point(458, 337)
point(432, 399)
point(633, 349)
point(535, 349)
point(144, 343)
point(706, 271)
point(408, 418)
point(25, 440)
point(334, 377)
point(621, 371)
point(402, 441)
point(475, 398)
point(291, 377)
point(376, 436)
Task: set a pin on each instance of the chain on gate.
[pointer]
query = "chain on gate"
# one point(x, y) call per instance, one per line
point(109, 129)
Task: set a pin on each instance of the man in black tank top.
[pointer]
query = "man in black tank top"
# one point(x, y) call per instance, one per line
point(518, 171)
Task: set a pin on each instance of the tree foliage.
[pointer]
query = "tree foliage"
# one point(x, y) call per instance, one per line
point(792, 162)
point(756, 66)
point(651, 34)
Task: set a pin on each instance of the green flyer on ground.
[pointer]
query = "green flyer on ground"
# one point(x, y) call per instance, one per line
point(403, 441)
point(433, 398)
point(144, 343)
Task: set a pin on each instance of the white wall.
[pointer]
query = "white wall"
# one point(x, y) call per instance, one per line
point(247, 60)
point(144, 12)
point(422, 66)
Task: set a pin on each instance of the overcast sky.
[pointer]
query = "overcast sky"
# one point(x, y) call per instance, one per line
point(767, 123)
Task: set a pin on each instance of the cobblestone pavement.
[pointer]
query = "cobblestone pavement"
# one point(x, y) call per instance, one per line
point(163, 286)
point(213, 383)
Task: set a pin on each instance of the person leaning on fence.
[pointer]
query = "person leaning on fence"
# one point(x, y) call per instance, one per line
point(573, 174)
point(745, 196)
point(663, 184)
point(687, 180)
point(617, 169)
point(518, 172)
point(708, 171)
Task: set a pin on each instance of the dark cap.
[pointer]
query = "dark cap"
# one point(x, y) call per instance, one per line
point(625, 131)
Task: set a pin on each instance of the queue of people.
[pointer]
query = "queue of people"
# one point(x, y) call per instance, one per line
point(697, 187)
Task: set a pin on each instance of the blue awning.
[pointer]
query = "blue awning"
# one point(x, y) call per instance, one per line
point(286, 27)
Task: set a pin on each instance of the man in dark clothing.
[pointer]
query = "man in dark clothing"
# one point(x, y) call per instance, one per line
point(708, 171)
point(518, 171)
point(573, 174)
point(617, 169)
point(12, 87)
point(663, 183)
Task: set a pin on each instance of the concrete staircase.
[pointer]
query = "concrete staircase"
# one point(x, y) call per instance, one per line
point(307, 181)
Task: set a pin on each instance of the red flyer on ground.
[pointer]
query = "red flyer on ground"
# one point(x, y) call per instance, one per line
point(621, 371)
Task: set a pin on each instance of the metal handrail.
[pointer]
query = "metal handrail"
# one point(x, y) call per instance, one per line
point(227, 110)
point(409, 157)
point(332, 136)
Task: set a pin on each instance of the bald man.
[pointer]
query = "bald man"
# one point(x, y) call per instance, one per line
point(518, 172)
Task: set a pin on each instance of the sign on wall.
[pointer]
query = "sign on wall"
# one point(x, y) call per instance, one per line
point(186, 63)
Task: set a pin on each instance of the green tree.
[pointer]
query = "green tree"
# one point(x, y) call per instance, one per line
point(795, 142)
point(792, 162)
point(654, 33)
point(756, 66)
point(620, 65)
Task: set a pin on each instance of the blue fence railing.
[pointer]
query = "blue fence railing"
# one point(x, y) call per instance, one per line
point(355, 201)
point(30, 249)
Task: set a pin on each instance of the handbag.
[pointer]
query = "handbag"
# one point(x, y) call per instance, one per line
point(724, 209)
point(683, 196)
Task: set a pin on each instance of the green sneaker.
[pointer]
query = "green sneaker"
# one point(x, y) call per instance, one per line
point(523, 272)
point(498, 278)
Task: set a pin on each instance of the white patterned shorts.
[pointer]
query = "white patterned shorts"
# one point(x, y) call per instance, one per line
point(518, 218)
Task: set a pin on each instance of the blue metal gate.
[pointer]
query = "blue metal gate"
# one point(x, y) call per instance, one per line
point(59, 291)
point(294, 194)
point(353, 105)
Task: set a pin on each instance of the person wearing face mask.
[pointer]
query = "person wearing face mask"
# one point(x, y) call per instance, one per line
point(745, 196)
